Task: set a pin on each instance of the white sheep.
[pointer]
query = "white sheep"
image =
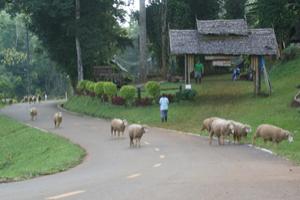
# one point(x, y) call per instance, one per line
point(272, 133)
point(221, 128)
point(240, 130)
point(118, 125)
point(33, 113)
point(136, 132)
point(57, 119)
point(206, 125)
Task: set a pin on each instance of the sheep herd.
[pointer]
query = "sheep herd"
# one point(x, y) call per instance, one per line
point(57, 118)
point(219, 127)
point(223, 128)
point(135, 131)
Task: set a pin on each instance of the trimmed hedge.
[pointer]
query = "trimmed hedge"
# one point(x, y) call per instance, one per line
point(110, 89)
point(153, 89)
point(128, 93)
point(99, 88)
point(81, 85)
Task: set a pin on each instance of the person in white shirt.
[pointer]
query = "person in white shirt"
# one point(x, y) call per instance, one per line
point(164, 103)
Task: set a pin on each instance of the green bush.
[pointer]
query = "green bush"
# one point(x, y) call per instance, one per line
point(290, 53)
point(186, 95)
point(81, 85)
point(90, 86)
point(153, 89)
point(128, 93)
point(110, 89)
point(99, 88)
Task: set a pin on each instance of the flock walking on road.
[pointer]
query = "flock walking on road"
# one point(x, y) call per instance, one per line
point(215, 126)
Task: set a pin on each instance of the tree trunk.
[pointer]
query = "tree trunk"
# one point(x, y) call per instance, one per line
point(78, 49)
point(28, 62)
point(143, 40)
point(164, 46)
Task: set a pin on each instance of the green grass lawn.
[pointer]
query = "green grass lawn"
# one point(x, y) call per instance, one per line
point(26, 152)
point(219, 96)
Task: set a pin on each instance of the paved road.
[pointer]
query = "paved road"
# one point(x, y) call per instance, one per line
point(167, 166)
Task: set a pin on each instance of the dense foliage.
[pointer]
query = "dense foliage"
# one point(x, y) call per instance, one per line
point(54, 23)
point(128, 92)
point(153, 89)
point(25, 67)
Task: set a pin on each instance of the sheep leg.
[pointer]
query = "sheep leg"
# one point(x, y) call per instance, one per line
point(210, 137)
point(118, 133)
point(131, 142)
point(222, 139)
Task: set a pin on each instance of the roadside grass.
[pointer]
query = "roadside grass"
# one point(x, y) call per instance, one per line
point(219, 96)
point(26, 152)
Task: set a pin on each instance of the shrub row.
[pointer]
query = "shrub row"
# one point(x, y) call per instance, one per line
point(107, 91)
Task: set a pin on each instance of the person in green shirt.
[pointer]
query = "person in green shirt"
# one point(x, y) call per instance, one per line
point(198, 69)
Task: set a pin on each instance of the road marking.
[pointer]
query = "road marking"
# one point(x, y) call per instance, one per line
point(65, 195)
point(162, 156)
point(134, 176)
point(147, 143)
point(157, 165)
point(157, 149)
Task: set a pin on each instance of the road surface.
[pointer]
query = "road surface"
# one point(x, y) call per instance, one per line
point(167, 166)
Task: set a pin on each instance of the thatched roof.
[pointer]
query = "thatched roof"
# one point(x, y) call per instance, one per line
point(256, 42)
point(222, 27)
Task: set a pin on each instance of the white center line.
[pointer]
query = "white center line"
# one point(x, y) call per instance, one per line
point(157, 149)
point(147, 143)
point(134, 176)
point(65, 195)
point(157, 165)
point(162, 156)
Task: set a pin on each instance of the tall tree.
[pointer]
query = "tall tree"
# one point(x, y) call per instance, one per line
point(164, 38)
point(143, 40)
point(276, 14)
point(235, 9)
point(78, 49)
point(100, 34)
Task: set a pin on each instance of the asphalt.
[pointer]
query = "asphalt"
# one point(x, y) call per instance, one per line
point(169, 165)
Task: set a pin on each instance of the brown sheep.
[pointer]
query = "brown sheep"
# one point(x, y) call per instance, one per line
point(272, 133)
point(136, 132)
point(33, 113)
point(206, 125)
point(221, 128)
point(57, 119)
point(240, 130)
point(118, 125)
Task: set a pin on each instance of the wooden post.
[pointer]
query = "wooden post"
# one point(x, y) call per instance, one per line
point(257, 78)
point(185, 69)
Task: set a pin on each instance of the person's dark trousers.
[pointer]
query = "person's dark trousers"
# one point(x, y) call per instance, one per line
point(166, 115)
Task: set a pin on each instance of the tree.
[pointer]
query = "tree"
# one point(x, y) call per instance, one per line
point(235, 9)
point(78, 49)
point(143, 39)
point(276, 14)
point(100, 34)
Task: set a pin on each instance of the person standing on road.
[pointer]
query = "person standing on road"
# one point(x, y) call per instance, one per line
point(198, 69)
point(164, 104)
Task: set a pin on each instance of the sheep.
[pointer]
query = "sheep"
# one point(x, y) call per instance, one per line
point(206, 125)
point(240, 130)
point(221, 128)
point(136, 132)
point(33, 113)
point(57, 119)
point(118, 125)
point(272, 133)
